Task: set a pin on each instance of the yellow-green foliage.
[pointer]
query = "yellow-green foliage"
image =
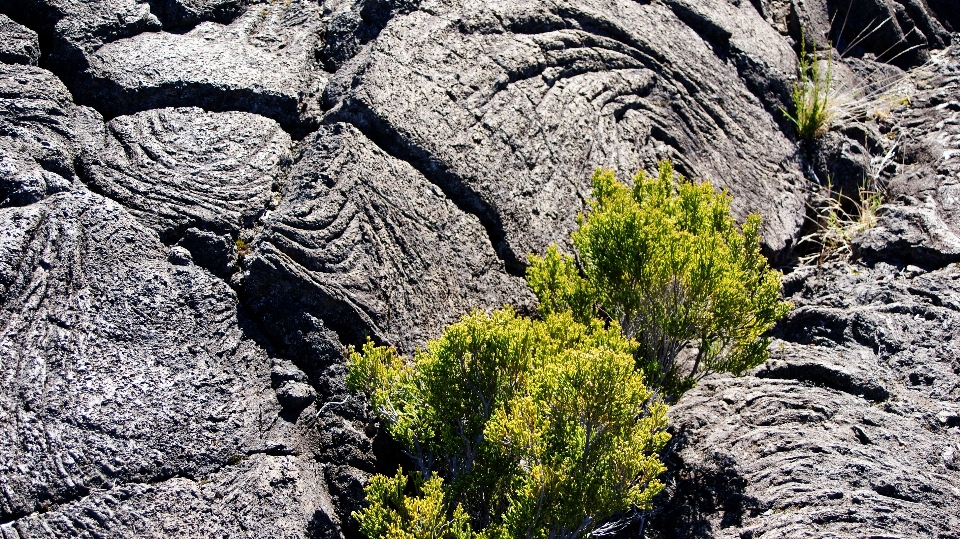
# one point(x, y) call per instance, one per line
point(393, 514)
point(668, 263)
point(539, 428)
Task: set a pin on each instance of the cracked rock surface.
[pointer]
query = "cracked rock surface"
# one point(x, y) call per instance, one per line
point(42, 134)
point(362, 241)
point(554, 89)
point(121, 368)
point(852, 428)
point(198, 178)
point(263, 62)
point(18, 44)
point(202, 202)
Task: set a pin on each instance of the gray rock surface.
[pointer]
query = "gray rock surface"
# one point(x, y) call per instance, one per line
point(553, 90)
point(922, 224)
point(852, 428)
point(899, 32)
point(18, 44)
point(121, 371)
point(778, 458)
point(42, 135)
point(175, 14)
point(263, 62)
point(257, 496)
point(196, 177)
point(365, 243)
point(72, 29)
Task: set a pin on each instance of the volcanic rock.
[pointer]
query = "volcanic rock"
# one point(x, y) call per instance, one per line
point(263, 62)
point(196, 177)
point(42, 135)
point(363, 242)
point(552, 91)
point(18, 44)
point(275, 180)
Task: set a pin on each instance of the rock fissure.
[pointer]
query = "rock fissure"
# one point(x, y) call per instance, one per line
point(435, 171)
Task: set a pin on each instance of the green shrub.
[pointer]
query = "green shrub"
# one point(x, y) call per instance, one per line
point(538, 428)
point(667, 262)
point(394, 514)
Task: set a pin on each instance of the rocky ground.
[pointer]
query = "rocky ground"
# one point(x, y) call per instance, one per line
point(203, 201)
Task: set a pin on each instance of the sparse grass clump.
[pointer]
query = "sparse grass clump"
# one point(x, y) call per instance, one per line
point(811, 96)
point(838, 220)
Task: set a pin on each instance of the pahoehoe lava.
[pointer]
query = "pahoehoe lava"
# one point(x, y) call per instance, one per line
point(202, 202)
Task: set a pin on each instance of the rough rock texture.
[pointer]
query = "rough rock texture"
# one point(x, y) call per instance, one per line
point(259, 496)
point(196, 177)
point(18, 44)
point(901, 32)
point(71, 29)
point(922, 225)
point(42, 134)
point(174, 14)
point(553, 90)
point(852, 429)
point(363, 242)
point(264, 62)
point(123, 369)
point(778, 458)
point(275, 180)
point(350, 24)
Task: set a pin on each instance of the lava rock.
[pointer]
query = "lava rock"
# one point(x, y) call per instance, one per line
point(910, 232)
point(119, 368)
point(851, 371)
point(161, 378)
point(776, 458)
point(848, 422)
point(509, 107)
point(176, 14)
point(900, 32)
point(264, 62)
point(72, 29)
point(23, 181)
point(295, 395)
point(42, 135)
point(366, 244)
point(920, 224)
point(18, 44)
point(260, 495)
point(351, 24)
point(182, 169)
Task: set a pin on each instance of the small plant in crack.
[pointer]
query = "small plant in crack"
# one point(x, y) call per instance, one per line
point(838, 219)
point(811, 95)
point(242, 246)
point(817, 100)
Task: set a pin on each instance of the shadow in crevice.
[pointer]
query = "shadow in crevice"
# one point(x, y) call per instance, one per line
point(176, 17)
point(700, 497)
point(460, 192)
point(350, 30)
point(321, 526)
